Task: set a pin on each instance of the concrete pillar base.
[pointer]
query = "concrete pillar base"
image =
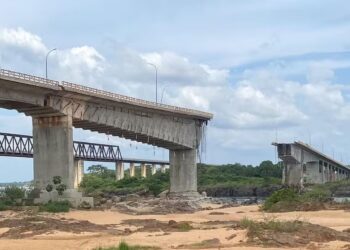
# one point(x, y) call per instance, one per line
point(191, 195)
point(183, 171)
point(79, 172)
point(53, 150)
point(154, 169)
point(75, 198)
point(119, 171)
point(132, 169)
point(143, 170)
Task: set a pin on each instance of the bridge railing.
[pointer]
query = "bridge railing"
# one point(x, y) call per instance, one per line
point(30, 78)
point(40, 81)
point(131, 100)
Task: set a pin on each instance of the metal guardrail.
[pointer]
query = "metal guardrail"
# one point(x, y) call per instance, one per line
point(30, 78)
point(132, 100)
point(39, 81)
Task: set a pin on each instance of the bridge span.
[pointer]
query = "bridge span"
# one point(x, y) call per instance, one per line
point(57, 107)
point(15, 145)
point(303, 164)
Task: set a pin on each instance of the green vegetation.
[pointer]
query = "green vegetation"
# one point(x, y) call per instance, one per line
point(101, 180)
point(236, 175)
point(57, 184)
point(257, 228)
point(9, 197)
point(125, 246)
point(312, 198)
point(55, 207)
point(3, 206)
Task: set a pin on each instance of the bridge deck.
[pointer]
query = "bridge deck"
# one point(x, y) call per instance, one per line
point(92, 92)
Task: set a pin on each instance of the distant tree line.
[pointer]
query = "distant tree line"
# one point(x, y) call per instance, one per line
point(213, 174)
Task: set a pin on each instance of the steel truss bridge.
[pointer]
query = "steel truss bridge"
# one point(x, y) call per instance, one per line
point(15, 145)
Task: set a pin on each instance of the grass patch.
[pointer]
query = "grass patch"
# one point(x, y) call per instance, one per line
point(313, 198)
point(184, 227)
point(125, 246)
point(3, 206)
point(255, 229)
point(55, 207)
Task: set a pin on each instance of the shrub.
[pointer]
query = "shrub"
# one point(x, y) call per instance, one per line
point(285, 197)
point(55, 207)
point(316, 194)
point(3, 206)
point(61, 188)
point(57, 180)
point(49, 188)
point(124, 246)
point(12, 193)
point(257, 228)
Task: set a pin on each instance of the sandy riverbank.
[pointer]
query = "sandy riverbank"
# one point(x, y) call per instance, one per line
point(100, 234)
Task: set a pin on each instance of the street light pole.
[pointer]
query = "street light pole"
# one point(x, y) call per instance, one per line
point(47, 55)
point(155, 67)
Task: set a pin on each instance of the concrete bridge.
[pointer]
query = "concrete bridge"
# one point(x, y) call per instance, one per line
point(303, 164)
point(57, 107)
point(15, 145)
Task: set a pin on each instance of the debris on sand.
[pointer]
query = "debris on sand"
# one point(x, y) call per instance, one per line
point(276, 233)
point(152, 225)
point(20, 228)
point(211, 243)
point(158, 206)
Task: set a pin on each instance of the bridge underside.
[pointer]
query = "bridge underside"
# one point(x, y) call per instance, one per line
point(55, 110)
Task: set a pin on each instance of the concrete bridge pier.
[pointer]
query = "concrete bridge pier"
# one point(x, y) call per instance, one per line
point(79, 172)
point(119, 170)
point(154, 169)
point(53, 150)
point(132, 169)
point(143, 170)
point(183, 173)
point(162, 169)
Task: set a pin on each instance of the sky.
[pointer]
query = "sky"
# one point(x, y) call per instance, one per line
point(268, 70)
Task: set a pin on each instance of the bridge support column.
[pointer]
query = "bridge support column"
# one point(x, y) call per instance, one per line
point(154, 169)
point(132, 169)
point(119, 170)
point(183, 173)
point(162, 169)
point(53, 150)
point(79, 172)
point(143, 170)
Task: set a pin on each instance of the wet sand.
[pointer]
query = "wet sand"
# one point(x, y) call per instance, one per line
point(336, 219)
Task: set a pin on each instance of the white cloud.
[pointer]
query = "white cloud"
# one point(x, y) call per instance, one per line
point(246, 112)
point(21, 38)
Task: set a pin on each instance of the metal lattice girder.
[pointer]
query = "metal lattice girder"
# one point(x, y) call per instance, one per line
point(22, 146)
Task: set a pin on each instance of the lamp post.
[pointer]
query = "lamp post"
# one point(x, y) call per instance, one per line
point(47, 55)
point(155, 67)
